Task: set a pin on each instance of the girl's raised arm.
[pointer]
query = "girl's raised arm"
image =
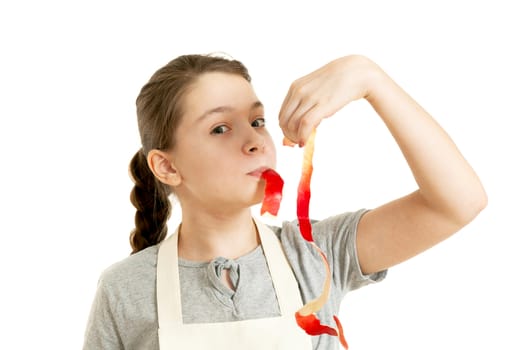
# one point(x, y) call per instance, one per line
point(450, 194)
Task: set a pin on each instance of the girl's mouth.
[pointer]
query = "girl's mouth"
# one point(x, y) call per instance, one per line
point(258, 172)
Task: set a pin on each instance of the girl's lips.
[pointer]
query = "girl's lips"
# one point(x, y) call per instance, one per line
point(258, 172)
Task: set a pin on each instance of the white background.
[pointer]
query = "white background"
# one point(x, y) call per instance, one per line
point(69, 75)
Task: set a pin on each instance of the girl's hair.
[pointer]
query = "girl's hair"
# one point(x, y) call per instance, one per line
point(160, 106)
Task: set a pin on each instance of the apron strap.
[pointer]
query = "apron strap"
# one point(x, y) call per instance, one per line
point(168, 286)
point(284, 282)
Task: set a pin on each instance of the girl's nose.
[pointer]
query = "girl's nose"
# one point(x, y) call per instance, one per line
point(255, 143)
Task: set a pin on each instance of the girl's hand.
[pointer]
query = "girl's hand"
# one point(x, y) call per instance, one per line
point(322, 93)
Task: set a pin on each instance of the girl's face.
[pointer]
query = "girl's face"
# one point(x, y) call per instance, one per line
point(222, 145)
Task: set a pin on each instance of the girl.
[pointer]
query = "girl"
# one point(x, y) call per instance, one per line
point(226, 281)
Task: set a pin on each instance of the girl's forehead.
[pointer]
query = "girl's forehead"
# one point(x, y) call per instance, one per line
point(216, 86)
point(214, 90)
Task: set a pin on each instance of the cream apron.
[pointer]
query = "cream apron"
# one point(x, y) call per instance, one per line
point(280, 332)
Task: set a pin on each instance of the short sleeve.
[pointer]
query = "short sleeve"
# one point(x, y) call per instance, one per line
point(101, 331)
point(336, 236)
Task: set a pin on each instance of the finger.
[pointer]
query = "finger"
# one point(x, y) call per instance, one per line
point(287, 107)
point(284, 117)
point(303, 101)
point(309, 121)
point(290, 125)
point(292, 100)
point(296, 120)
point(288, 142)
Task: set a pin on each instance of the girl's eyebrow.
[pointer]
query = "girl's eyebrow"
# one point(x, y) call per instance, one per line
point(223, 109)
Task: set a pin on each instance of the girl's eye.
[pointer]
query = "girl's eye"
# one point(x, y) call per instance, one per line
point(259, 123)
point(221, 129)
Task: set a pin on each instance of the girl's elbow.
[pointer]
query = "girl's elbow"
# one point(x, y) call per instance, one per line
point(481, 202)
point(475, 204)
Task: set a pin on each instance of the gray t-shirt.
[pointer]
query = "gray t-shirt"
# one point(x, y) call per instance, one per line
point(124, 311)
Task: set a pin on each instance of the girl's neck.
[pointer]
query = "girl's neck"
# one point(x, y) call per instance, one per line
point(204, 236)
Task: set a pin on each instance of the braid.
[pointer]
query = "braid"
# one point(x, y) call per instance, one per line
point(150, 197)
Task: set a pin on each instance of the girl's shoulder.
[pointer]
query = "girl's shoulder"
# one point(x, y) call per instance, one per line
point(138, 268)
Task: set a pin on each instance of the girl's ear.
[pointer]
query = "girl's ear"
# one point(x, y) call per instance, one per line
point(162, 167)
